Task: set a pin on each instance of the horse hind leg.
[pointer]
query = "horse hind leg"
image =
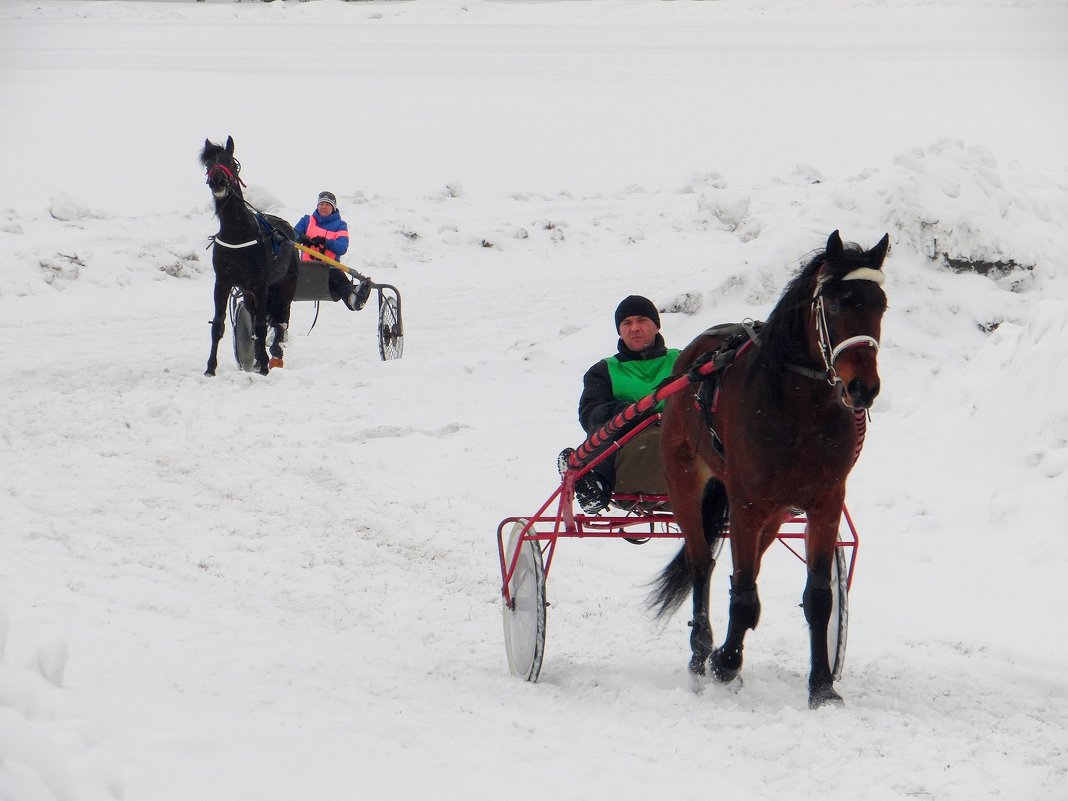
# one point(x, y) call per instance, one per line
point(279, 300)
point(701, 639)
point(276, 351)
point(714, 512)
point(262, 360)
point(259, 330)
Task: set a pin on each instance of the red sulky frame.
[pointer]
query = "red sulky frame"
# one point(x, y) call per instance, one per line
point(636, 517)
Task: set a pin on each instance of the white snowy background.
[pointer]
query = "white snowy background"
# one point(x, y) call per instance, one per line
point(283, 588)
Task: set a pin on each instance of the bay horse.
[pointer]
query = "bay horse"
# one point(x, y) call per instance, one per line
point(779, 430)
point(251, 251)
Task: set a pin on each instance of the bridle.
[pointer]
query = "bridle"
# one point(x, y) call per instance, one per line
point(830, 352)
point(231, 179)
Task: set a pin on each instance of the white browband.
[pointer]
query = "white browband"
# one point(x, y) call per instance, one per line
point(865, 274)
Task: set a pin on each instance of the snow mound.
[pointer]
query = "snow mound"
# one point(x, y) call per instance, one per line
point(67, 209)
point(957, 205)
point(48, 750)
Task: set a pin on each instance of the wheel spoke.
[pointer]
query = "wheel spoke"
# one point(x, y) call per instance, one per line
point(390, 338)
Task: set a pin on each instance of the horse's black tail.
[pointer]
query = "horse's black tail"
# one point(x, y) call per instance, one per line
point(671, 586)
point(676, 580)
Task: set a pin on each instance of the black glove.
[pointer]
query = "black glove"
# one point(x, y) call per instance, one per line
point(319, 242)
point(304, 241)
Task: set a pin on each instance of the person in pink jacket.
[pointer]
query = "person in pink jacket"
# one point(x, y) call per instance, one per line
point(325, 231)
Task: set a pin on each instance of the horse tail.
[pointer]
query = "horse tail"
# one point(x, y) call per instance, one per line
point(671, 586)
point(676, 580)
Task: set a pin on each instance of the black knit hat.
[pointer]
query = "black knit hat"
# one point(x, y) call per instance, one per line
point(636, 305)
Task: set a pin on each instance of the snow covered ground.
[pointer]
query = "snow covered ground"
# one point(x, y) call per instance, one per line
point(287, 587)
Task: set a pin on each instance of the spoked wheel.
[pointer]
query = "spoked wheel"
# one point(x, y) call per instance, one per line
point(524, 620)
point(839, 622)
point(244, 342)
point(390, 329)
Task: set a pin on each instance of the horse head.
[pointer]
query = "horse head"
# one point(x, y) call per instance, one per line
point(848, 303)
point(223, 170)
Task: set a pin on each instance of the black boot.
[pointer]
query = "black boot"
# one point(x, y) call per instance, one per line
point(357, 298)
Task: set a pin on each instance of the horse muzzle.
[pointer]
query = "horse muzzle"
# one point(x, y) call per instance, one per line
point(858, 375)
point(858, 395)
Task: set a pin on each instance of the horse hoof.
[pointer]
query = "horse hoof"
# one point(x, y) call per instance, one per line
point(275, 362)
point(724, 675)
point(824, 696)
point(725, 669)
point(697, 666)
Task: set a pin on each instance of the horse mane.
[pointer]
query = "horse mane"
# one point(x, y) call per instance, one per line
point(209, 155)
point(782, 339)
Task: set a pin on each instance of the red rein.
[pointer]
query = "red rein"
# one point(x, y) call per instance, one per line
point(860, 421)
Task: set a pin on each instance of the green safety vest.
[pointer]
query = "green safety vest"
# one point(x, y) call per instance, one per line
point(633, 380)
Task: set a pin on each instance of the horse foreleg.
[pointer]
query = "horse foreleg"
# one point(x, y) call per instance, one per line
point(218, 326)
point(817, 602)
point(747, 547)
point(726, 661)
point(821, 539)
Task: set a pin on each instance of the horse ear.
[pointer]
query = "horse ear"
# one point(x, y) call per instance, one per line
point(834, 247)
point(878, 253)
point(229, 145)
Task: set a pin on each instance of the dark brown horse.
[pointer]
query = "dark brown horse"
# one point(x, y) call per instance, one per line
point(775, 431)
point(251, 251)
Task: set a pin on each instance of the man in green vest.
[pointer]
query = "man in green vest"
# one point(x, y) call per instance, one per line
point(641, 362)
